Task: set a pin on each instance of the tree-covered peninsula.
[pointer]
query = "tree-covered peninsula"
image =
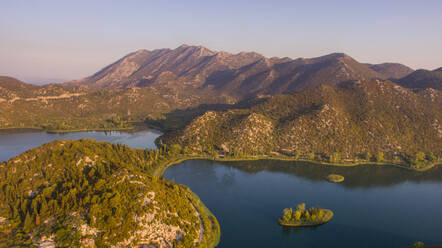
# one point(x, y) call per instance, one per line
point(87, 193)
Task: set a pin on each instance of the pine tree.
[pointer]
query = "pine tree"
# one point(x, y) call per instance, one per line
point(27, 225)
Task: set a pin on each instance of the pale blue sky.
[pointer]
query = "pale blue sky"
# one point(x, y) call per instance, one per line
point(62, 40)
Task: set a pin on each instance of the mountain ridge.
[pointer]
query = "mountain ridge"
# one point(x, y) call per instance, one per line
point(391, 70)
point(241, 75)
point(151, 86)
point(421, 79)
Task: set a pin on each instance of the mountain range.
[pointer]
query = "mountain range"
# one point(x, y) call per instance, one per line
point(241, 75)
point(163, 84)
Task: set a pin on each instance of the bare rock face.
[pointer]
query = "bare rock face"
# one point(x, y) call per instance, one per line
point(241, 75)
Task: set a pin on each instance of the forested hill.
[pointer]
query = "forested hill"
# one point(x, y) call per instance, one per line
point(85, 193)
point(350, 119)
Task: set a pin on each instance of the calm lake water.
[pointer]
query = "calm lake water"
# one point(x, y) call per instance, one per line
point(13, 144)
point(374, 207)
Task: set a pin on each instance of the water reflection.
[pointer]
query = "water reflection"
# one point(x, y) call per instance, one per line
point(363, 176)
point(14, 143)
point(374, 207)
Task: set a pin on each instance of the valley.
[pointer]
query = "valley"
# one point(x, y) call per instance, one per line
point(296, 119)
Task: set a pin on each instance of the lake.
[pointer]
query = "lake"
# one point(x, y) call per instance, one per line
point(374, 207)
point(13, 144)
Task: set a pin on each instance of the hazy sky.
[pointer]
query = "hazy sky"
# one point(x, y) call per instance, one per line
point(62, 40)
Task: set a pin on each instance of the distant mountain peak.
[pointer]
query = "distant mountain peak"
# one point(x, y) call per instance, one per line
point(242, 74)
point(423, 79)
point(391, 70)
point(339, 55)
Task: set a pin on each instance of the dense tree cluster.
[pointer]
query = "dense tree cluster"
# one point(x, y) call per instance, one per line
point(63, 186)
point(301, 214)
point(66, 124)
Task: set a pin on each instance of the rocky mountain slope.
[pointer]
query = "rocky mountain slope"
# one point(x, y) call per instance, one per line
point(90, 194)
point(421, 79)
point(350, 118)
point(185, 64)
point(391, 70)
point(239, 75)
point(179, 84)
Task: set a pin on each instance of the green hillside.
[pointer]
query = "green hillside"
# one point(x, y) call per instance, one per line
point(82, 193)
point(375, 120)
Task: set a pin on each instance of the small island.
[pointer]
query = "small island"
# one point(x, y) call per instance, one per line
point(302, 217)
point(335, 178)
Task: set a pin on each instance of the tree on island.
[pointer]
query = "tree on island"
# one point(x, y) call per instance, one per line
point(303, 217)
point(418, 244)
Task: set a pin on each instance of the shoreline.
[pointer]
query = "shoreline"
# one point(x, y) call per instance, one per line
point(24, 129)
point(205, 213)
point(159, 171)
point(136, 126)
point(211, 229)
point(89, 130)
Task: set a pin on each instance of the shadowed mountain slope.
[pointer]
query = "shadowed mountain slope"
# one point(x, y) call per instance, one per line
point(350, 118)
point(238, 75)
point(391, 70)
point(421, 79)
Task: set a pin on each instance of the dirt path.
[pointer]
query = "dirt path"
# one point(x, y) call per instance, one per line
point(201, 221)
